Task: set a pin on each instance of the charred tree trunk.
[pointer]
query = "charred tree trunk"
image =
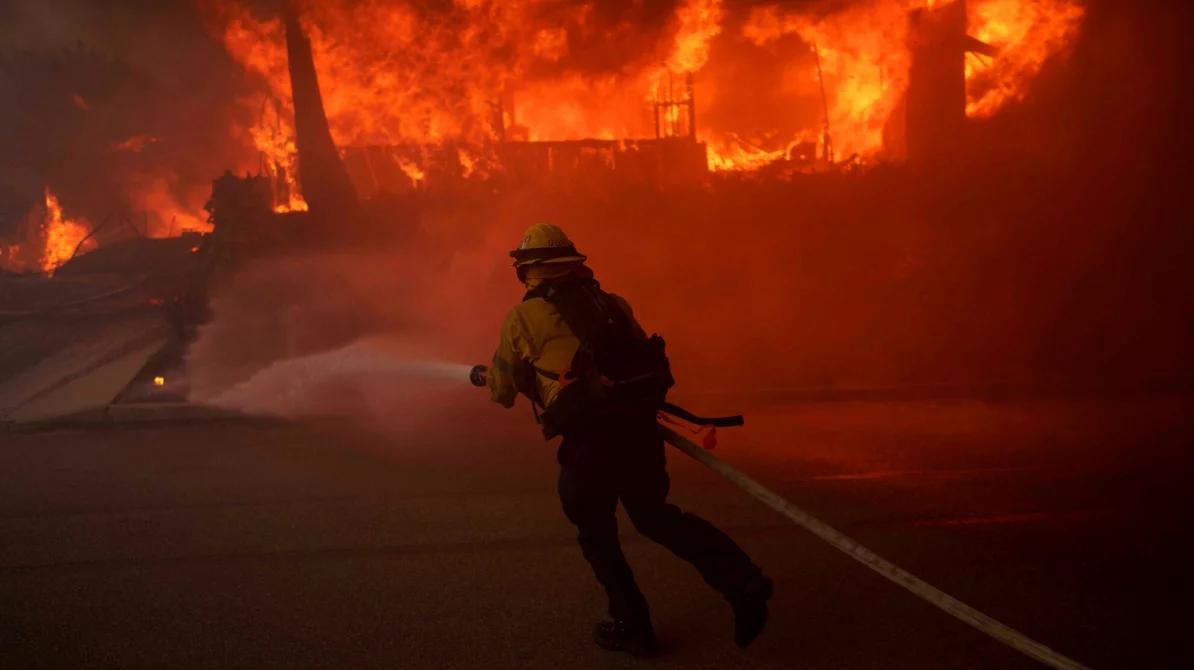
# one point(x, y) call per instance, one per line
point(326, 185)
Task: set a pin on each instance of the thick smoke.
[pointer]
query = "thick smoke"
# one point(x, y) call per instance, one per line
point(126, 109)
point(1058, 252)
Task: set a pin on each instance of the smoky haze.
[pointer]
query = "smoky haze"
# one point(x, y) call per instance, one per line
point(1058, 250)
point(124, 109)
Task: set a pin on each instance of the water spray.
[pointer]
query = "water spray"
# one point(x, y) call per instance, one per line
point(291, 380)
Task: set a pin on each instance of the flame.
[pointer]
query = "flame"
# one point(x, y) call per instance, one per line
point(471, 73)
point(726, 156)
point(411, 170)
point(168, 208)
point(295, 201)
point(700, 22)
point(62, 235)
point(273, 136)
point(865, 60)
point(1027, 35)
point(478, 72)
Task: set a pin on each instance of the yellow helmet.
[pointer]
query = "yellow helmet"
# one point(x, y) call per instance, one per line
point(545, 243)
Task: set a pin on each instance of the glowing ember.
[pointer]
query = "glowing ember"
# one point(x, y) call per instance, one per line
point(159, 381)
point(62, 235)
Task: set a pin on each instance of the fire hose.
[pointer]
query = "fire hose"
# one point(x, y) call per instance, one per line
point(835, 538)
point(917, 586)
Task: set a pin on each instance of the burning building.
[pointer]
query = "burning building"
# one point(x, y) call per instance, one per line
point(418, 97)
point(370, 120)
point(485, 90)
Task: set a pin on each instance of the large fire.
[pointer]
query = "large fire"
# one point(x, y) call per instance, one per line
point(475, 72)
point(817, 83)
point(63, 236)
point(1028, 34)
point(865, 60)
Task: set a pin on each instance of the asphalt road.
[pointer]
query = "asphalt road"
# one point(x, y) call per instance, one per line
point(326, 544)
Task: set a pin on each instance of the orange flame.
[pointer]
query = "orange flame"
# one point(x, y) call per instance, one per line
point(865, 59)
point(700, 22)
point(1027, 34)
point(477, 72)
point(167, 211)
point(62, 235)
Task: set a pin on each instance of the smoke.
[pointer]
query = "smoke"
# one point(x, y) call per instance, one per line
point(126, 109)
point(1062, 250)
point(881, 280)
point(384, 335)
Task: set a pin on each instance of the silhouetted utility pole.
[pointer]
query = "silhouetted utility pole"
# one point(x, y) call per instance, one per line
point(325, 183)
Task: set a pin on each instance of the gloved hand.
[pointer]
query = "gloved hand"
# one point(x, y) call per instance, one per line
point(479, 375)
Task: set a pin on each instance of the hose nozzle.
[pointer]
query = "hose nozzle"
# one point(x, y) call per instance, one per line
point(479, 375)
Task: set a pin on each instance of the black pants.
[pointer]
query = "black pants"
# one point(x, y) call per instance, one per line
point(622, 458)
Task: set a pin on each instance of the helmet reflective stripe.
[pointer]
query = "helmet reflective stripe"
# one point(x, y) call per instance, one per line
point(542, 253)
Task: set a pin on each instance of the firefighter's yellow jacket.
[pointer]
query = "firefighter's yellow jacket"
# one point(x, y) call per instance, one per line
point(535, 339)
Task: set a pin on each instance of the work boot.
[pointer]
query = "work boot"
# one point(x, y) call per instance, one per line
point(620, 635)
point(750, 611)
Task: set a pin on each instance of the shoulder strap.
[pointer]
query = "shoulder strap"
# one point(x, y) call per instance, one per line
point(591, 313)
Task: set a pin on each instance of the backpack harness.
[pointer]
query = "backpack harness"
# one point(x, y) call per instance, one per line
point(615, 369)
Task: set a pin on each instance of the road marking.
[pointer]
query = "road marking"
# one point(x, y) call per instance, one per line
point(917, 586)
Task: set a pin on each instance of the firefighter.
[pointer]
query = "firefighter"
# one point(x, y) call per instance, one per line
point(611, 451)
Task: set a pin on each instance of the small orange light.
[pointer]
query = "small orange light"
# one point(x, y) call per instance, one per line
point(194, 250)
point(159, 381)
